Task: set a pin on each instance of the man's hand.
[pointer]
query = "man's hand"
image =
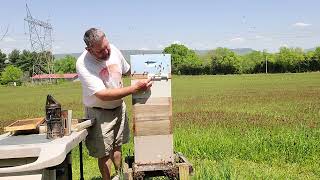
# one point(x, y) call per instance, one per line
point(118, 93)
point(142, 85)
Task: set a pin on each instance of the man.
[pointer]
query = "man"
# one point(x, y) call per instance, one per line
point(100, 68)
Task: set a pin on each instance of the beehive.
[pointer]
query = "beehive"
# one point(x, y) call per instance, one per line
point(152, 110)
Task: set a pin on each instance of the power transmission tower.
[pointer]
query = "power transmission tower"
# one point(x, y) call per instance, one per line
point(41, 43)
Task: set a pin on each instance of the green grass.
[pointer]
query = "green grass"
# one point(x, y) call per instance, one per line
point(229, 127)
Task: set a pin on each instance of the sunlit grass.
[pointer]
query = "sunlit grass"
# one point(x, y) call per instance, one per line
point(234, 126)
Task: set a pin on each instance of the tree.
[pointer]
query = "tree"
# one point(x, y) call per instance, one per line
point(250, 61)
point(289, 59)
point(317, 53)
point(11, 74)
point(3, 58)
point(182, 57)
point(14, 57)
point(65, 65)
point(314, 61)
point(224, 61)
point(26, 61)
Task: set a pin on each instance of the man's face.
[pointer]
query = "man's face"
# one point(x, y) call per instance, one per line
point(101, 50)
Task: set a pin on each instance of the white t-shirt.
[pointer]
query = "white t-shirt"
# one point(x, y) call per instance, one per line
point(98, 75)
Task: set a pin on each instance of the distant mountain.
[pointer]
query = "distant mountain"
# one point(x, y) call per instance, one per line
point(242, 51)
point(310, 49)
point(59, 56)
point(239, 51)
point(127, 53)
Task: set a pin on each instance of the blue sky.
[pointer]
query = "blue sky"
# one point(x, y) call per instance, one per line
point(145, 24)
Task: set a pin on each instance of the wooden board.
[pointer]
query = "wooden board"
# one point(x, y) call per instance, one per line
point(152, 101)
point(148, 128)
point(153, 149)
point(152, 112)
point(24, 124)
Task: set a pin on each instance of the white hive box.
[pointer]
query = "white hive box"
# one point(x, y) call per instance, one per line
point(152, 110)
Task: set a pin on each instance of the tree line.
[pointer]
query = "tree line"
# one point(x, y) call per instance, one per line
point(18, 65)
point(224, 61)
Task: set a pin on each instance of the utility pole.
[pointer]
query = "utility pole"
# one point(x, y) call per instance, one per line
point(266, 65)
point(266, 60)
point(41, 42)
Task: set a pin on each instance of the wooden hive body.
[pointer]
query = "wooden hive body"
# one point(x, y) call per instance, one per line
point(152, 110)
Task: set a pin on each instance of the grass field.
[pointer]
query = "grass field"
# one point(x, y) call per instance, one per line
point(229, 127)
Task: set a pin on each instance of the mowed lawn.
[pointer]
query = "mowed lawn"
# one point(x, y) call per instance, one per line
point(230, 127)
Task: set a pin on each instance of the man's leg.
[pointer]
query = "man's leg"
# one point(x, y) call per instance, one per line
point(105, 167)
point(117, 158)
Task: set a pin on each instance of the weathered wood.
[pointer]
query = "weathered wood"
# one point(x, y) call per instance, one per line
point(148, 128)
point(149, 112)
point(66, 116)
point(152, 101)
point(139, 76)
point(153, 149)
point(151, 118)
point(153, 167)
point(184, 171)
point(24, 124)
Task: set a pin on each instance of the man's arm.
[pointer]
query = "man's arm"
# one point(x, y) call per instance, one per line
point(128, 73)
point(118, 93)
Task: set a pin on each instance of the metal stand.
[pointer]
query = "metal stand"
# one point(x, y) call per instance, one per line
point(69, 161)
point(81, 161)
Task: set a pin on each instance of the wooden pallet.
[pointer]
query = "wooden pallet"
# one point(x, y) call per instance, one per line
point(180, 169)
point(24, 124)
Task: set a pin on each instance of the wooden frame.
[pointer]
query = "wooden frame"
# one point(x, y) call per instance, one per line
point(24, 124)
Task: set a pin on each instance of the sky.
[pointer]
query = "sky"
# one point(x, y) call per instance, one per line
point(154, 25)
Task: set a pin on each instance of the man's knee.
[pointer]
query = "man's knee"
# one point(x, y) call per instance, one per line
point(104, 159)
point(117, 155)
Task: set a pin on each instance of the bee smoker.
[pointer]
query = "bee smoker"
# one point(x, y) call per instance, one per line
point(55, 124)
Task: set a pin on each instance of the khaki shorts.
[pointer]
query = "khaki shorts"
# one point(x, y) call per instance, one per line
point(110, 129)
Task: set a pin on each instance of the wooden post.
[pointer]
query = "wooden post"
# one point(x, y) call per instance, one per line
point(184, 171)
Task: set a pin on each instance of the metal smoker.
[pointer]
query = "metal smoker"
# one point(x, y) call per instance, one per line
point(55, 124)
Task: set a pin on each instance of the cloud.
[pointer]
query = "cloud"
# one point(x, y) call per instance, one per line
point(237, 39)
point(301, 24)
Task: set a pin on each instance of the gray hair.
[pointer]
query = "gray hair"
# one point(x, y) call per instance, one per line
point(93, 36)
